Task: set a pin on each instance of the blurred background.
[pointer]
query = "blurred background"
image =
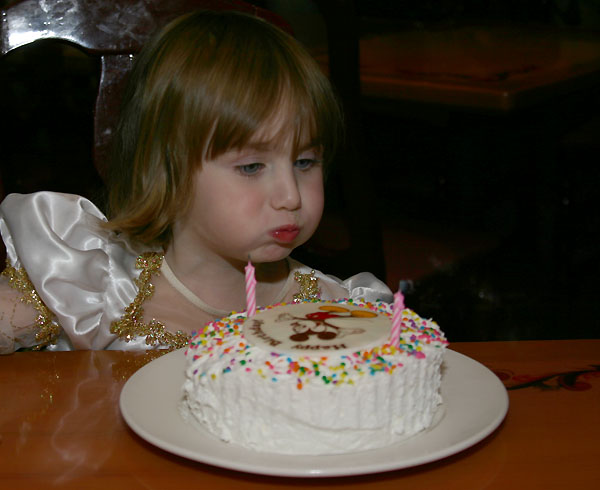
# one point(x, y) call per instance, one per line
point(479, 126)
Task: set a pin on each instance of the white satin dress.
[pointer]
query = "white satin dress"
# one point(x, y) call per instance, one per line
point(72, 284)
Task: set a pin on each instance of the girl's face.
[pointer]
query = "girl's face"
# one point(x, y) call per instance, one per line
point(261, 201)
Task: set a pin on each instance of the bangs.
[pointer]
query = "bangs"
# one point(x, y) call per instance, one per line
point(282, 123)
point(263, 87)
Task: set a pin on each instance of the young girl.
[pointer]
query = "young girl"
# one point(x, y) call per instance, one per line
point(226, 129)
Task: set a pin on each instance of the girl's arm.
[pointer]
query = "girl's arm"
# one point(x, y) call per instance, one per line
point(19, 321)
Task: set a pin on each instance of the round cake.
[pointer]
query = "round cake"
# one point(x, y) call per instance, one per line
point(315, 377)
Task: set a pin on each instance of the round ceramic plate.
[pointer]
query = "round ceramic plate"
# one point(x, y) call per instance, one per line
point(475, 403)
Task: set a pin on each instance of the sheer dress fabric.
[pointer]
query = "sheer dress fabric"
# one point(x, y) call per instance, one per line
point(85, 274)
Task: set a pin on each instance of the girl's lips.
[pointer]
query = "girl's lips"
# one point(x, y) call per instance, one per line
point(285, 234)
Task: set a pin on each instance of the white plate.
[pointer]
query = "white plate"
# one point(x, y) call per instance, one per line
point(475, 403)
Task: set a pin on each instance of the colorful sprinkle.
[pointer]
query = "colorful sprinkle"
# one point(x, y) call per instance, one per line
point(224, 338)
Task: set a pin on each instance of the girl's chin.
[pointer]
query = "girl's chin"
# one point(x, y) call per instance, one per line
point(271, 254)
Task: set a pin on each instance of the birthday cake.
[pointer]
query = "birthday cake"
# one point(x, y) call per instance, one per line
point(315, 377)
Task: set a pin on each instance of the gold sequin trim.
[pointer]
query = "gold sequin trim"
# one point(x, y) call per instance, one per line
point(48, 329)
point(309, 286)
point(132, 325)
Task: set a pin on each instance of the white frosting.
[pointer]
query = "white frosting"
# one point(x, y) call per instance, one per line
point(241, 391)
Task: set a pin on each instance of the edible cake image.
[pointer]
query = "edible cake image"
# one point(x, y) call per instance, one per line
point(315, 377)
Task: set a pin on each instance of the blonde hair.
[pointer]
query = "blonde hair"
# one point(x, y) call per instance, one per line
point(207, 83)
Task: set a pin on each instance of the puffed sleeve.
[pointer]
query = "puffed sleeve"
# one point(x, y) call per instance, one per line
point(363, 285)
point(82, 272)
point(366, 286)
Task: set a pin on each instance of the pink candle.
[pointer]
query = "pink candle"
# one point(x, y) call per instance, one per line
point(397, 318)
point(250, 289)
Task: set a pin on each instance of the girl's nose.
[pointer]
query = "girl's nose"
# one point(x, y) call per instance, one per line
point(285, 193)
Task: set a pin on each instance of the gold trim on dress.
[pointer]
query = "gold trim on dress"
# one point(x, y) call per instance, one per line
point(132, 325)
point(309, 286)
point(48, 329)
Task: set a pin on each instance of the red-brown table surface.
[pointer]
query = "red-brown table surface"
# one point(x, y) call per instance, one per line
point(60, 427)
point(496, 67)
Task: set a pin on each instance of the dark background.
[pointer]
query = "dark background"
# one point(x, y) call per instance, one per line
point(527, 181)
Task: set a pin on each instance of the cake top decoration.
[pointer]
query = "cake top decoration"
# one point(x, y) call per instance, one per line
point(317, 328)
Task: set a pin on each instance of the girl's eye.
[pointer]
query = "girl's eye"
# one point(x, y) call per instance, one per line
point(305, 163)
point(249, 169)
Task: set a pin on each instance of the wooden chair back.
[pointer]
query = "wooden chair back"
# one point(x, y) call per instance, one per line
point(114, 30)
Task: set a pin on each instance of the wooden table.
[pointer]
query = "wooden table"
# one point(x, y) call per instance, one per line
point(60, 427)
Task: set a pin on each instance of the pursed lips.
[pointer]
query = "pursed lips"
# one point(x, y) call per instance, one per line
point(285, 234)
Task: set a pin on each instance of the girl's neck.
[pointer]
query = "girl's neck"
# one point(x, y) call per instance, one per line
point(221, 284)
